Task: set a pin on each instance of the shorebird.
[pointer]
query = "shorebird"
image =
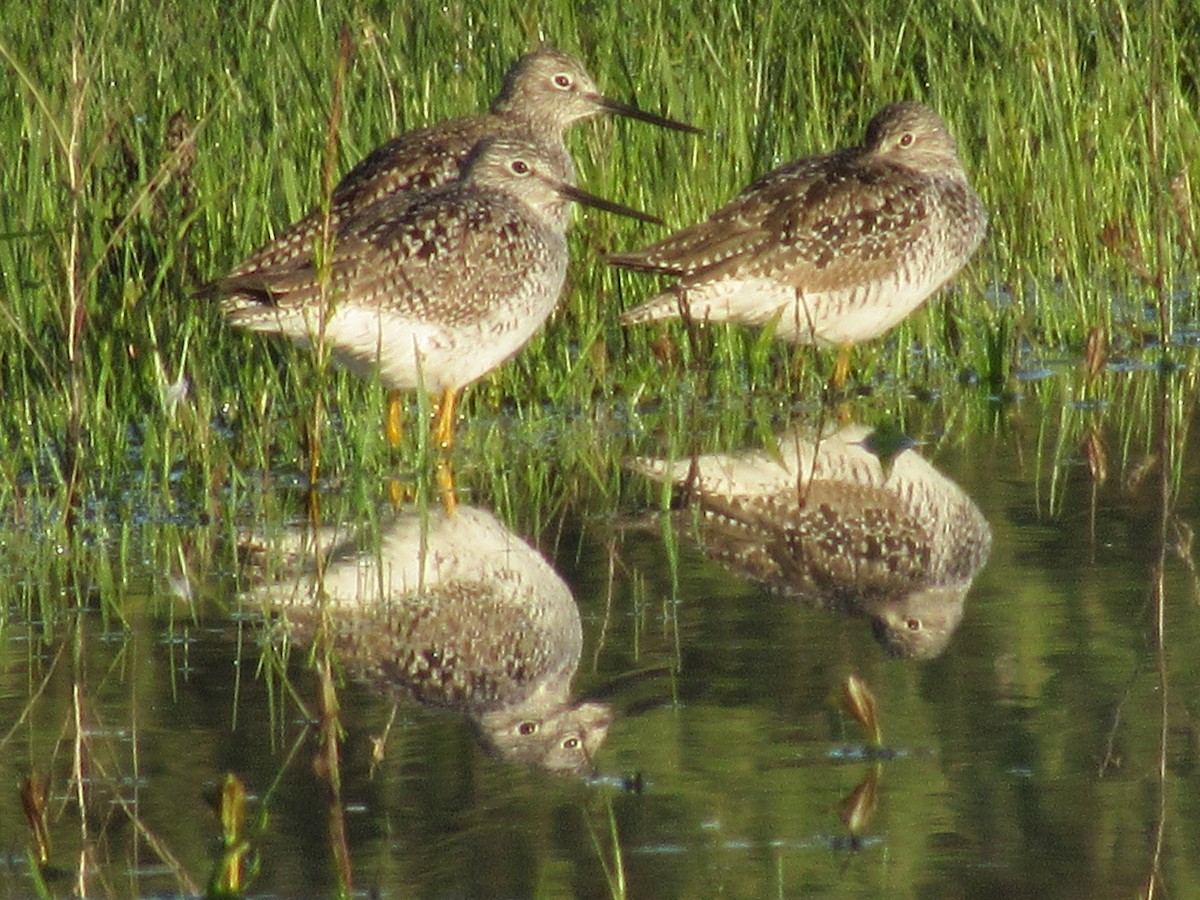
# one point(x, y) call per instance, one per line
point(834, 249)
point(430, 291)
point(822, 519)
point(543, 94)
point(452, 610)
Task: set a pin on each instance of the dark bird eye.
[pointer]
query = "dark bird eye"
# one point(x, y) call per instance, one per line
point(520, 167)
point(562, 80)
point(906, 139)
point(526, 728)
point(913, 624)
point(571, 743)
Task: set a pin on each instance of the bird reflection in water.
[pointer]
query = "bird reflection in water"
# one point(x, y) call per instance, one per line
point(452, 609)
point(839, 525)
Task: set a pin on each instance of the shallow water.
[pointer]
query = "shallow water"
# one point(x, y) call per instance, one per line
point(637, 700)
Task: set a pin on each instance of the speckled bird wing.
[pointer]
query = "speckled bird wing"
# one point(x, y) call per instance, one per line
point(843, 541)
point(441, 257)
point(416, 161)
point(409, 164)
point(729, 233)
point(818, 224)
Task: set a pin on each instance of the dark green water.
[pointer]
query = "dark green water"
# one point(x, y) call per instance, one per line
point(1049, 750)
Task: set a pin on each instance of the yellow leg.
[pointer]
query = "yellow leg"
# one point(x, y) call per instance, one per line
point(443, 432)
point(313, 507)
point(399, 492)
point(394, 422)
point(446, 489)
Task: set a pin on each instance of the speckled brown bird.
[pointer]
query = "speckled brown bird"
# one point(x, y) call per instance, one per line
point(452, 610)
point(832, 249)
point(543, 94)
point(430, 291)
point(827, 522)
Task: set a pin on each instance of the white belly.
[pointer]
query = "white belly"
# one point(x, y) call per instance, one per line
point(823, 318)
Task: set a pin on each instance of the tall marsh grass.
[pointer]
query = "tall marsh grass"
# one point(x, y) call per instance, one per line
point(149, 150)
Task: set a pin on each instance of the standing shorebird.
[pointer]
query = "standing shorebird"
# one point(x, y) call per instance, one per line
point(543, 94)
point(432, 290)
point(832, 249)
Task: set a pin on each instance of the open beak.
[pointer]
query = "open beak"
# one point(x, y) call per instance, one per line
point(586, 199)
point(632, 112)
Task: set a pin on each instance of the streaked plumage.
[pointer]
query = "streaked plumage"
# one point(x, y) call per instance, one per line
point(835, 249)
point(452, 610)
point(432, 290)
point(826, 522)
point(544, 93)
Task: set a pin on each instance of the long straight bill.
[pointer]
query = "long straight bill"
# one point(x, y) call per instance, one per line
point(632, 112)
point(586, 199)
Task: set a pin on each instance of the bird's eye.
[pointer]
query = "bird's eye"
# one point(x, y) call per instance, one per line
point(913, 624)
point(526, 728)
point(563, 81)
point(906, 139)
point(570, 743)
point(519, 167)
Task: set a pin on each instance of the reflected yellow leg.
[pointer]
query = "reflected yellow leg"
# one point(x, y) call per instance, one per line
point(447, 492)
point(841, 369)
point(844, 413)
point(394, 421)
point(443, 432)
point(800, 357)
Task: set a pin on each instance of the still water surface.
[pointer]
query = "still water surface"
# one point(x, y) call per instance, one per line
point(643, 700)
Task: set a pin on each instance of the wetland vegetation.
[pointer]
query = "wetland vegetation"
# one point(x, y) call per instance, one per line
point(1050, 750)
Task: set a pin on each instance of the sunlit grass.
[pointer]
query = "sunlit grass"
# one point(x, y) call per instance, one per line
point(148, 151)
point(132, 183)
